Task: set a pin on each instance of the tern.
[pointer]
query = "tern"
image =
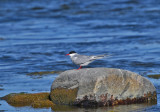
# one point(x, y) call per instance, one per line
point(83, 60)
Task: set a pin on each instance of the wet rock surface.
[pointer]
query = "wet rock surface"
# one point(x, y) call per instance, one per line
point(102, 87)
point(36, 100)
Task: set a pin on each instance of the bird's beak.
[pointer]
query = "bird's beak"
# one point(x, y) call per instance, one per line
point(67, 54)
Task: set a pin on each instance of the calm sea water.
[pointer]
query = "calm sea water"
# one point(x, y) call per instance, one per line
point(35, 35)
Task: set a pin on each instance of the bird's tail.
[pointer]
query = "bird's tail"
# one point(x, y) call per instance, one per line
point(101, 56)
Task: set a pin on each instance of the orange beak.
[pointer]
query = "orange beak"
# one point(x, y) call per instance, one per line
point(67, 54)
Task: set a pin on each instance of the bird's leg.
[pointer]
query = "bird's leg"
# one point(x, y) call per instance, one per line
point(79, 67)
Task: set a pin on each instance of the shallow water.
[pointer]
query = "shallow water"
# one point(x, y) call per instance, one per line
point(35, 35)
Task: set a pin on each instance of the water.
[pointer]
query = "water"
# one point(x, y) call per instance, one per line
point(35, 35)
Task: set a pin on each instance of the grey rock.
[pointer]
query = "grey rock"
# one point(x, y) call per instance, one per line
point(122, 84)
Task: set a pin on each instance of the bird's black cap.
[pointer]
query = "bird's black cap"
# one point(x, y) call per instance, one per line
point(71, 52)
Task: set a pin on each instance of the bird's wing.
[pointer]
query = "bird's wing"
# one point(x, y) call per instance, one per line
point(81, 59)
point(85, 60)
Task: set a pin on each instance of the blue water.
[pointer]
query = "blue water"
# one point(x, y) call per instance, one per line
point(35, 35)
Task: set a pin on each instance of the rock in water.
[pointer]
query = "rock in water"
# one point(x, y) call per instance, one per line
point(101, 87)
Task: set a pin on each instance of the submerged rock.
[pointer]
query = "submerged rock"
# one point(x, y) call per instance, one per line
point(36, 100)
point(1, 38)
point(43, 73)
point(154, 76)
point(101, 87)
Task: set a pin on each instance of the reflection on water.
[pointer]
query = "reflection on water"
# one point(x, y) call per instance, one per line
point(120, 108)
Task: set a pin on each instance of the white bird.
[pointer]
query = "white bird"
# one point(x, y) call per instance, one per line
point(83, 60)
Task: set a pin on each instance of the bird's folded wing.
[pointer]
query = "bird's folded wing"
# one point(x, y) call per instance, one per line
point(82, 59)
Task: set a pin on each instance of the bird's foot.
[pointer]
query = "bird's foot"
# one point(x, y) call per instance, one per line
point(79, 68)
